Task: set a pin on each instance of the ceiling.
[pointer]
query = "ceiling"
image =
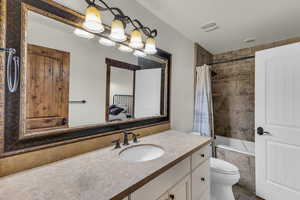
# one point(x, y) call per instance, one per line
point(265, 20)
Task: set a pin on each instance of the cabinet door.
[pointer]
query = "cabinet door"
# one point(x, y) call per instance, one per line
point(47, 84)
point(201, 181)
point(161, 184)
point(164, 197)
point(181, 191)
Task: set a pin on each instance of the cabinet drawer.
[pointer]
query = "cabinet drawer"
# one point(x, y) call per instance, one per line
point(200, 181)
point(158, 186)
point(200, 156)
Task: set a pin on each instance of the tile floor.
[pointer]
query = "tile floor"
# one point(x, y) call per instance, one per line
point(242, 194)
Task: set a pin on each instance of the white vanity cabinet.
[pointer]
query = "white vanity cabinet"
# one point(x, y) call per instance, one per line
point(164, 197)
point(187, 180)
point(201, 181)
point(181, 190)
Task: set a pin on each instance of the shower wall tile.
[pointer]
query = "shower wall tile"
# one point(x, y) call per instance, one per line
point(2, 76)
point(233, 92)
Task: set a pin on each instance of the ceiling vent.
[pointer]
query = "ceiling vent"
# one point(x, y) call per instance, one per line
point(210, 26)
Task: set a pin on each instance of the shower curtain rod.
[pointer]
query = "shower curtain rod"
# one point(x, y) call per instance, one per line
point(232, 60)
point(227, 61)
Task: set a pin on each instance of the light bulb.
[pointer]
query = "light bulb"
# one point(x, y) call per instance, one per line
point(93, 21)
point(117, 31)
point(106, 42)
point(139, 53)
point(136, 40)
point(150, 47)
point(83, 34)
point(125, 48)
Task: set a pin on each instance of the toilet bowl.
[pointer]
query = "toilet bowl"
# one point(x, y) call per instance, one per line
point(223, 176)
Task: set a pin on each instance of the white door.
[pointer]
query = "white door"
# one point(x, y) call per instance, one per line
point(182, 190)
point(277, 111)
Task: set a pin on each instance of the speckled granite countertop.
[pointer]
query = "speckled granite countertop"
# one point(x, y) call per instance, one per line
point(98, 175)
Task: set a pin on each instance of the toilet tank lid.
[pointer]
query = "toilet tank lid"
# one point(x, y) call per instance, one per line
point(222, 166)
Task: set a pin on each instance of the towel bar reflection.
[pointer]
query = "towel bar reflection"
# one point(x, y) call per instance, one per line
point(78, 102)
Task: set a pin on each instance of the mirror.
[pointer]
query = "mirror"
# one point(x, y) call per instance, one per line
point(74, 82)
point(121, 94)
point(135, 90)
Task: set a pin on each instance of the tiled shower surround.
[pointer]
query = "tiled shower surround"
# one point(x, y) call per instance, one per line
point(233, 95)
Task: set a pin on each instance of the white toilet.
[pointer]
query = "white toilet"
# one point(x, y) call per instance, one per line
point(223, 176)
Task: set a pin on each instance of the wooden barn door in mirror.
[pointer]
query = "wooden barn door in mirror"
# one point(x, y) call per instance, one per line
point(47, 88)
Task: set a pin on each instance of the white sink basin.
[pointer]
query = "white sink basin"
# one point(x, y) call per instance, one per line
point(141, 153)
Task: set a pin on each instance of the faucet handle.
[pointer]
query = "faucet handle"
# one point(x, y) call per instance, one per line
point(135, 138)
point(117, 142)
point(127, 132)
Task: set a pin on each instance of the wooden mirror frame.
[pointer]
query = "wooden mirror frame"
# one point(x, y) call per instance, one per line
point(14, 142)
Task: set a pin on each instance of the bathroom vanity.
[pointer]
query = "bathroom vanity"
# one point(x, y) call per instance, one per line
point(181, 172)
point(187, 180)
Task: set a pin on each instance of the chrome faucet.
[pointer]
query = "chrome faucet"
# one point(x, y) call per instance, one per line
point(134, 136)
point(126, 133)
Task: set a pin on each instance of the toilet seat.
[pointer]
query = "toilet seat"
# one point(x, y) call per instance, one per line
point(223, 167)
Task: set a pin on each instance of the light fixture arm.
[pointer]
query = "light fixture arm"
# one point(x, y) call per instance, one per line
point(119, 14)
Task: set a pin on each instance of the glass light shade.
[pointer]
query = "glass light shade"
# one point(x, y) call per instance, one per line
point(139, 53)
point(136, 40)
point(93, 21)
point(125, 48)
point(83, 34)
point(106, 42)
point(150, 47)
point(117, 31)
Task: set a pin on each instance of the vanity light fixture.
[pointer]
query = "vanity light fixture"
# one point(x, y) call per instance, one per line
point(139, 53)
point(136, 40)
point(125, 48)
point(150, 46)
point(106, 42)
point(83, 33)
point(117, 32)
point(93, 21)
point(94, 24)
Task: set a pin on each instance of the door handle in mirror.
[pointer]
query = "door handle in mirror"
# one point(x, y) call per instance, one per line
point(64, 121)
point(261, 131)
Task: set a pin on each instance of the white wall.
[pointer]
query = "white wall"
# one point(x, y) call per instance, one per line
point(181, 48)
point(121, 82)
point(147, 93)
point(182, 76)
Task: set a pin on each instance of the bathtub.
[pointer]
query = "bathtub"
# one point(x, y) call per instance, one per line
point(231, 144)
point(242, 154)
